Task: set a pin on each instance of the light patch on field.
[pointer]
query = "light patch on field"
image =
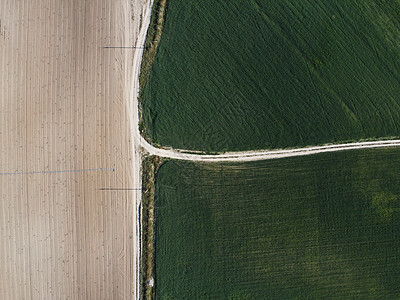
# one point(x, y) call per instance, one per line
point(386, 205)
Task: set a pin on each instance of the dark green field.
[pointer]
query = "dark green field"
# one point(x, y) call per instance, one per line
point(312, 227)
point(236, 75)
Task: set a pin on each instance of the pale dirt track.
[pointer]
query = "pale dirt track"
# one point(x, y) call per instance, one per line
point(266, 154)
point(62, 107)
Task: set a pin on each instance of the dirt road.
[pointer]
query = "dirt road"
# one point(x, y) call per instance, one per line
point(266, 154)
point(67, 159)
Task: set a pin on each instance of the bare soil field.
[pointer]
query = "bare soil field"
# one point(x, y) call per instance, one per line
point(63, 93)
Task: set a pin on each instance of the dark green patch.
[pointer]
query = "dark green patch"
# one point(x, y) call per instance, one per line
point(235, 75)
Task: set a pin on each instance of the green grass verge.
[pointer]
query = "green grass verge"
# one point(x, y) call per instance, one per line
point(316, 227)
point(270, 74)
point(150, 166)
point(153, 38)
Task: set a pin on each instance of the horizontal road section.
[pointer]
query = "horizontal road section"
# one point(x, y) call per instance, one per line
point(266, 154)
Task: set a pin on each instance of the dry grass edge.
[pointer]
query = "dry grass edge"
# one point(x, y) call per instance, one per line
point(150, 167)
point(153, 38)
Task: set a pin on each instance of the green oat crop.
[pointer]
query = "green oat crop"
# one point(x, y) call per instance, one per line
point(313, 227)
point(236, 75)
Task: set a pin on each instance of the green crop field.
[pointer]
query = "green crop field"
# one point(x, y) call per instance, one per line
point(236, 75)
point(311, 227)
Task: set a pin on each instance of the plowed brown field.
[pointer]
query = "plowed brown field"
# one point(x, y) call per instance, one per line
point(62, 108)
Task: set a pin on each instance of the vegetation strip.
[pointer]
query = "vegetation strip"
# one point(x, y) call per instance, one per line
point(153, 39)
point(150, 167)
